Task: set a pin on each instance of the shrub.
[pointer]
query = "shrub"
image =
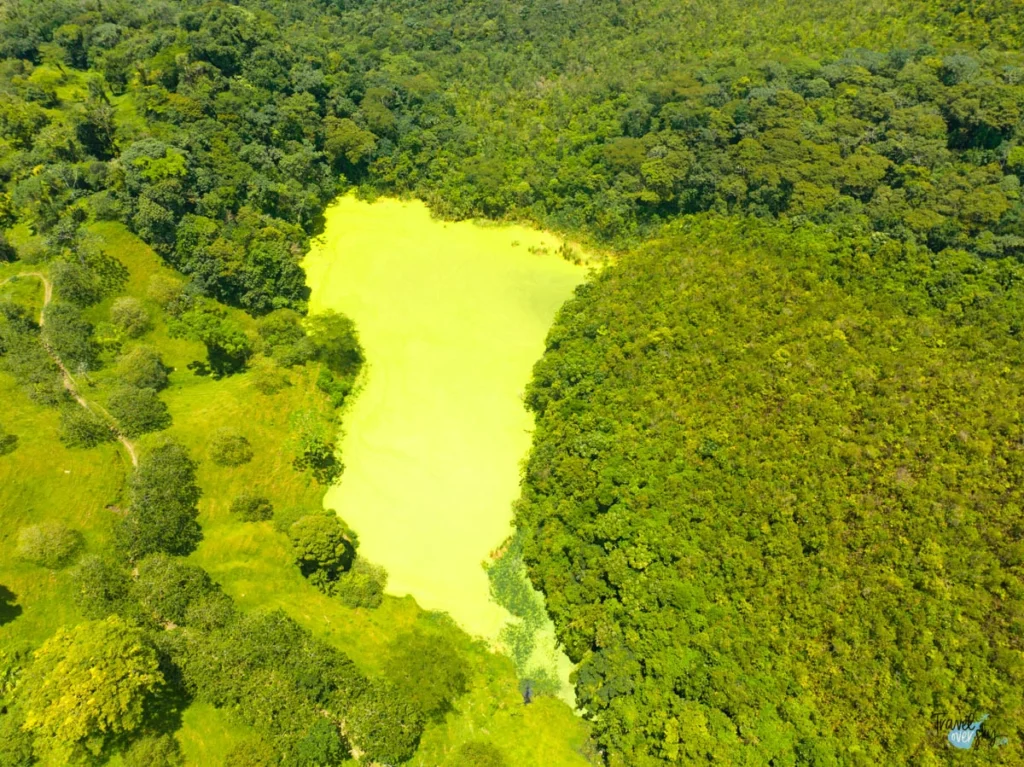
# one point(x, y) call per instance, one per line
point(154, 751)
point(102, 587)
point(318, 456)
point(138, 411)
point(252, 753)
point(252, 508)
point(324, 545)
point(129, 316)
point(7, 251)
point(70, 337)
point(166, 587)
point(164, 289)
point(286, 517)
point(229, 448)
point(477, 753)
point(49, 544)
point(75, 283)
point(80, 427)
point(322, 744)
point(363, 585)
point(142, 368)
point(268, 378)
point(8, 442)
point(384, 725)
point(428, 671)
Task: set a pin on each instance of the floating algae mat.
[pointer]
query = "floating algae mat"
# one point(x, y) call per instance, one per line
point(452, 317)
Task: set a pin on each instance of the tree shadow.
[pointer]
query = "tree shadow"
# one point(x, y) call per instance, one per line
point(8, 609)
point(8, 443)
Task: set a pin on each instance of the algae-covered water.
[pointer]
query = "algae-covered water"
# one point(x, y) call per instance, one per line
point(452, 317)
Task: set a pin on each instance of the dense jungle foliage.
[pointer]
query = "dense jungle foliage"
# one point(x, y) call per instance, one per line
point(774, 500)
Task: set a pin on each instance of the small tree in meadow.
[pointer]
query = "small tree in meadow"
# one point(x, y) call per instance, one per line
point(129, 316)
point(229, 448)
point(138, 411)
point(49, 544)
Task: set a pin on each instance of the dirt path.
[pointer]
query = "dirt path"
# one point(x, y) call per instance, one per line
point(69, 382)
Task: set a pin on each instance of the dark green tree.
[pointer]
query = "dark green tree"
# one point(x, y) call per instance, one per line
point(163, 510)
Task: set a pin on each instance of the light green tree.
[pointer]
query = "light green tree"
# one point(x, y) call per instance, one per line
point(87, 686)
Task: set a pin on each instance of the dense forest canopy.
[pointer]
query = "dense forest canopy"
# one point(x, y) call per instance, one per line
point(774, 500)
point(775, 505)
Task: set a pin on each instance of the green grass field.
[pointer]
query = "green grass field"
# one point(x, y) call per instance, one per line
point(42, 480)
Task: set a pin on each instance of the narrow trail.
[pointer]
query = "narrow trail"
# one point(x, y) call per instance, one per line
point(69, 382)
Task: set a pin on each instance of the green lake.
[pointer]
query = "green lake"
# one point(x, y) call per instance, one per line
point(452, 317)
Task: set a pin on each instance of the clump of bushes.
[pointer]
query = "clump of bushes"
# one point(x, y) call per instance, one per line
point(229, 448)
point(7, 251)
point(268, 378)
point(49, 544)
point(164, 289)
point(138, 410)
point(252, 508)
point(325, 550)
point(362, 586)
point(129, 316)
point(8, 442)
point(324, 547)
point(81, 427)
point(476, 753)
point(142, 368)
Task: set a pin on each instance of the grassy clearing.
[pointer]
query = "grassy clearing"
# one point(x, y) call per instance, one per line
point(41, 480)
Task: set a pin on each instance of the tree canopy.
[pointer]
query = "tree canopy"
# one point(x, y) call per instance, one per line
point(774, 498)
point(88, 685)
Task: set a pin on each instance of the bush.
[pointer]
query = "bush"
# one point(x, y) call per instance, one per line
point(102, 588)
point(384, 725)
point(70, 337)
point(252, 508)
point(50, 544)
point(318, 456)
point(252, 753)
point(229, 448)
point(336, 342)
point(8, 442)
point(285, 518)
point(324, 545)
point(129, 316)
point(163, 289)
point(138, 411)
point(477, 753)
point(428, 671)
point(142, 368)
point(7, 251)
point(80, 427)
point(362, 586)
point(166, 587)
point(322, 744)
point(268, 378)
point(283, 338)
point(75, 283)
point(154, 751)
point(212, 611)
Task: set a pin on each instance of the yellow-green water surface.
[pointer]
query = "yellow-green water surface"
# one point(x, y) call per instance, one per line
point(452, 317)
